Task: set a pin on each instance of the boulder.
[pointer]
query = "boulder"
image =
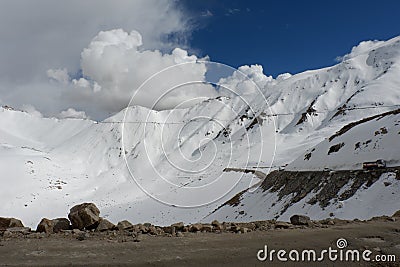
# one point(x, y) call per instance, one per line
point(142, 228)
point(61, 224)
point(153, 230)
point(124, 225)
point(77, 231)
point(168, 229)
point(282, 225)
point(9, 222)
point(105, 225)
point(244, 230)
point(234, 227)
point(217, 225)
point(207, 228)
point(45, 226)
point(300, 220)
point(178, 226)
point(84, 216)
point(396, 214)
point(195, 227)
point(53, 226)
point(20, 230)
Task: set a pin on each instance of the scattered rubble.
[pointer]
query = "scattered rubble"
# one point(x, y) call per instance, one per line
point(86, 223)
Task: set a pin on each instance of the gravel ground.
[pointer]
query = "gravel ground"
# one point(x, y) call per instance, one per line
point(114, 248)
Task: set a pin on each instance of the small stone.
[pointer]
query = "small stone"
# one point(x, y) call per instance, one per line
point(331, 222)
point(76, 231)
point(377, 249)
point(82, 236)
point(138, 238)
point(179, 234)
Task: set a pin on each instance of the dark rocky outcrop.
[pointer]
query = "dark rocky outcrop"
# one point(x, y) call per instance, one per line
point(300, 220)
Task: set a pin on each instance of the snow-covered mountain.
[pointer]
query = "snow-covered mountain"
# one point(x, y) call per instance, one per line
point(328, 180)
point(173, 165)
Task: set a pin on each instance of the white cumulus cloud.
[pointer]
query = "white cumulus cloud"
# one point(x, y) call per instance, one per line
point(115, 67)
point(43, 39)
point(72, 114)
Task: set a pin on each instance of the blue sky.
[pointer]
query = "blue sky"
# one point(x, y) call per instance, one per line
point(288, 36)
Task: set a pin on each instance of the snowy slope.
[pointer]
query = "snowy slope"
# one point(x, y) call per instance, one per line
point(370, 139)
point(344, 192)
point(168, 166)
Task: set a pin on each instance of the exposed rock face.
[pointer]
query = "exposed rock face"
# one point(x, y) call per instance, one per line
point(9, 222)
point(84, 216)
point(300, 220)
point(105, 225)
